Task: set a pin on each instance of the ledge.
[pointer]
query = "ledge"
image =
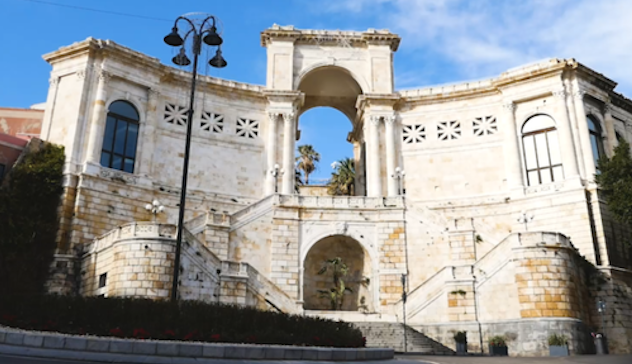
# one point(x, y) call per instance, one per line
point(47, 344)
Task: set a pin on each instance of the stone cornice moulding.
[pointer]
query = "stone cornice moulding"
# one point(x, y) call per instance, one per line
point(290, 34)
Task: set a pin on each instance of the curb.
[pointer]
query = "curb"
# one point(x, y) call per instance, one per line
point(94, 348)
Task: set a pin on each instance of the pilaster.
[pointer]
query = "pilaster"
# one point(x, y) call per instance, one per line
point(148, 141)
point(389, 123)
point(512, 157)
point(97, 121)
point(569, 157)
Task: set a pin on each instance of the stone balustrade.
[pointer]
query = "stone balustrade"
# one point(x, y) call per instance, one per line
point(341, 202)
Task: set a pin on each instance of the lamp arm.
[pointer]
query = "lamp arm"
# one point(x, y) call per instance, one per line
point(212, 17)
point(188, 21)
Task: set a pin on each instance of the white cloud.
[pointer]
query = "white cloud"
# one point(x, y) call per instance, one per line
point(486, 37)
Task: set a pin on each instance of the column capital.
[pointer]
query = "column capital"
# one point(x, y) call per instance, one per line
point(560, 94)
point(152, 92)
point(390, 120)
point(375, 119)
point(104, 76)
point(579, 94)
point(509, 106)
point(606, 108)
point(273, 115)
point(288, 116)
point(54, 80)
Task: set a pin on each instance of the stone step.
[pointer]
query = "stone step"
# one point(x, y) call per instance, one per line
point(391, 335)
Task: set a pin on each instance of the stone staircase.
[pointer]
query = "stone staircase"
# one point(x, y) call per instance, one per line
point(391, 335)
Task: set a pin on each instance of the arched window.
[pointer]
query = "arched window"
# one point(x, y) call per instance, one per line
point(595, 138)
point(121, 135)
point(541, 150)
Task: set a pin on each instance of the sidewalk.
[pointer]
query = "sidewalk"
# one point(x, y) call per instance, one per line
point(581, 359)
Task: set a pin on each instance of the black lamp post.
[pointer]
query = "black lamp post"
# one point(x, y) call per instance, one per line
point(404, 298)
point(205, 32)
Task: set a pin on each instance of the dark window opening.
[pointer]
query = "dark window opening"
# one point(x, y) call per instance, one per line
point(103, 279)
point(120, 137)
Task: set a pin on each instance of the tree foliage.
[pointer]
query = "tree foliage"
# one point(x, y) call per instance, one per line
point(342, 181)
point(28, 219)
point(336, 293)
point(615, 182)
point(307, 160)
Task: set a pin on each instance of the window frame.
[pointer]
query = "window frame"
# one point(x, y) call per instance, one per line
point(550, 168)
point(118, 118)
point(597, 137)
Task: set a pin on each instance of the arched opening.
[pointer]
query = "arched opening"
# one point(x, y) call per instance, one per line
point(541, 150)
point(333, 134)
point(316, 281)
point(120, 137)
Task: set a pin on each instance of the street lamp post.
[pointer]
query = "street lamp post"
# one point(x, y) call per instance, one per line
point(275, 174)
point(204, 32)
point(404, 297)
point(525, 219)
point(399, 176)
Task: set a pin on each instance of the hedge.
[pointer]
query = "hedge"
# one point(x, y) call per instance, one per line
point(185, 320)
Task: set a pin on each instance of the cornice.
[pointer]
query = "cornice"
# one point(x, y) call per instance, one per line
point(298, 36)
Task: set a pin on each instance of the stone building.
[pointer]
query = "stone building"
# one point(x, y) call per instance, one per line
point(500, 203)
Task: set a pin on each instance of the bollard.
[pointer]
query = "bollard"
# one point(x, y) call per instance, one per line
point(601, 345)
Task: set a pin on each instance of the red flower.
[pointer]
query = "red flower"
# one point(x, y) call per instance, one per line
point(316, 338)
point(251, 339)
point(190, 335)
point(82, 331)
point(170, 333)
point(363, 341)
point(116, 332)
point(140, 334)
point(8, 318)
point(215, 337)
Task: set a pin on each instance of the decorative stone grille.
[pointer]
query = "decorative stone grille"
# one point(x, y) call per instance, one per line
point(485, 125)
point(247, 128)
point(448, 130)
point(413, 134)
point(177, 115)
point(212, 122)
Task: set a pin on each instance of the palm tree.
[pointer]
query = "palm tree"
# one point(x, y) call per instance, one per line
point(343, 178)
point(298, 182)
point(307, 160)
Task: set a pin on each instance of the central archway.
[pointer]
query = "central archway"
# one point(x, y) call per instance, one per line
point(336, 87)
point(357, 279)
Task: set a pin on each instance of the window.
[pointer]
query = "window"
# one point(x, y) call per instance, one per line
point(541, 150)
point(121, 136)
point(103, 280)
point(595, 138)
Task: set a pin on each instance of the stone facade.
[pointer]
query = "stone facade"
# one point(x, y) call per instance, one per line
point(490, 167)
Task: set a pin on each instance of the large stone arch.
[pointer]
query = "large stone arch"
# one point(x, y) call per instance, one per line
point(360, 265)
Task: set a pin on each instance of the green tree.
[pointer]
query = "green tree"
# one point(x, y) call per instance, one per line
point(342, 181)
point(615, 182)
point(28, 218)
point(335, 294)
point(307, 160)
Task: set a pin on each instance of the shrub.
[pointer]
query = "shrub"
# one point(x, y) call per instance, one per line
point(497, 340)
point(557, 340)
point(185, 320)
point(460, 337)
point(28, 218)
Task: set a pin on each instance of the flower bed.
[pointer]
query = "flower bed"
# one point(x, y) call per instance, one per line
point(186, 320)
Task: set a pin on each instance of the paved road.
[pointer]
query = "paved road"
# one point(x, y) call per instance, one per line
point(584, 359)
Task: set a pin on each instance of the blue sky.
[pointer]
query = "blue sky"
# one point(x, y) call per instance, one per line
point(443, 41)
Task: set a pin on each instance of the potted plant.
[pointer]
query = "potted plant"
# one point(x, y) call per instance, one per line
point(498, 346)
point(558, 345)
point(461, 342)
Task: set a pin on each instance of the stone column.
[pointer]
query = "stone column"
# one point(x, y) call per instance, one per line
point(611, 134)
point(389, 122)
point(147, 142)
point(288, 153)
point(374, 183)
point(569, 157)
point(584, 149)
point(272, 148)
point(97, 121)
point(511, 155)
